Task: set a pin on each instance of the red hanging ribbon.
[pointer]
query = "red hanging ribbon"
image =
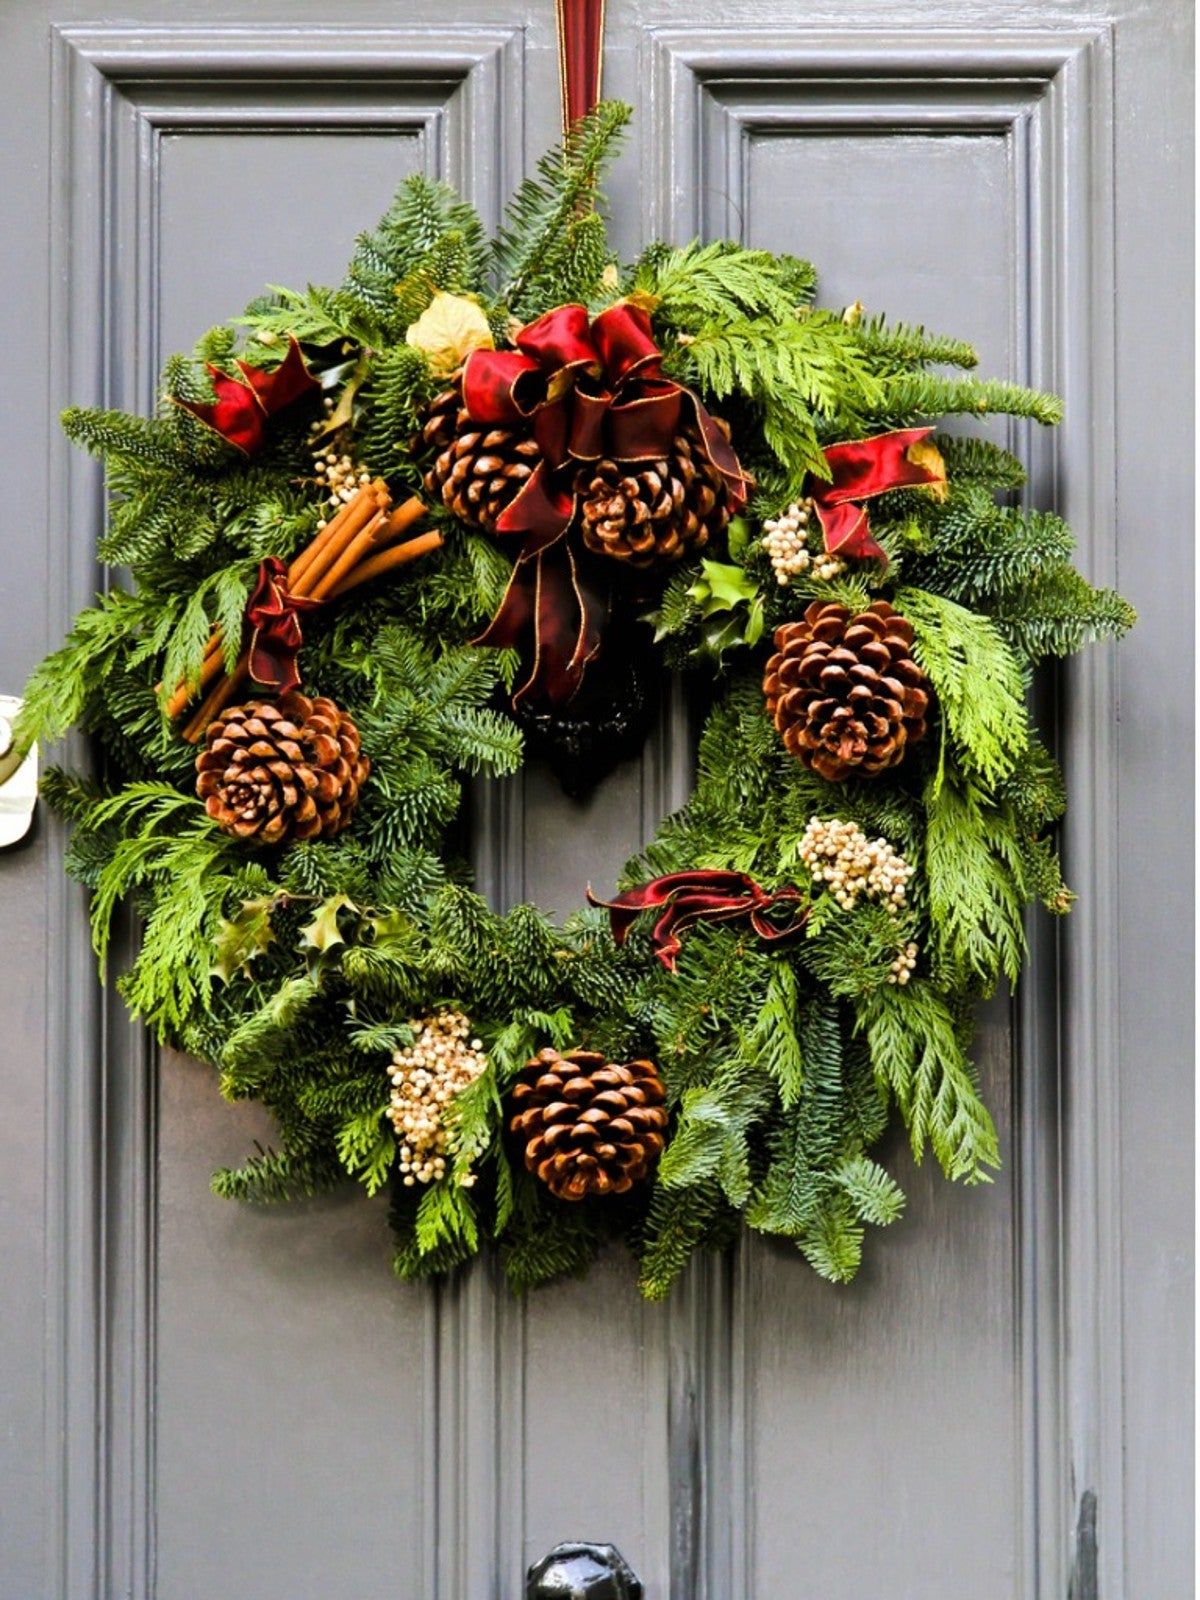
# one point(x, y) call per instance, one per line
point(272, 613)
point(242, 405)
point(587, 389)
point(688, 898)
point(859, 470)
point(580, 30)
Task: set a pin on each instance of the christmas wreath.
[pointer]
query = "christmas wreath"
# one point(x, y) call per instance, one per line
point(617, 471)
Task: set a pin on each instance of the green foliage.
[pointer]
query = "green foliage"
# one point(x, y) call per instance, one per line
point(794, 373)
point(702, 285)
point(299, 971)
point(542, 209)
point(978, 682)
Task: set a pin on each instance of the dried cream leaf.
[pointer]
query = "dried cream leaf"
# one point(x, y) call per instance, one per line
point(449, 328)
point(926, 454)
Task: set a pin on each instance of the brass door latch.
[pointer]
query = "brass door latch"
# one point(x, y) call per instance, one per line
point(18, 777)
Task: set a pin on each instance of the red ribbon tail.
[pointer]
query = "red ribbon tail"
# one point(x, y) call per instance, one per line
point(847, 532)
point(555, 616)
point(273, 615)
point(685, 899)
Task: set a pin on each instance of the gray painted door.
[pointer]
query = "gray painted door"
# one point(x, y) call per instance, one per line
point(202, 1402)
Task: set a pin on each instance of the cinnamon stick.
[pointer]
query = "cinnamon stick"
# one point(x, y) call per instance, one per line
point(377, 490)
point(397, 556)
point(216, 700)
point(331, 566)
point(366, 505)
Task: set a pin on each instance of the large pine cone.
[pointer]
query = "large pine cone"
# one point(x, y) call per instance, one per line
point(844, 690)
point(589, 1126)
point(277, 770)
point(652, 513)
point(477, 469)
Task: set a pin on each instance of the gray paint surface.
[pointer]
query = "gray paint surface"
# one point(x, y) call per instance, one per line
point(202, 1401)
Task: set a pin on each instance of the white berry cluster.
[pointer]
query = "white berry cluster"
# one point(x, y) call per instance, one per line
point(441, 1061)
point(334, 469)
point(840, 854)
point(904, 965)
point(785, 539)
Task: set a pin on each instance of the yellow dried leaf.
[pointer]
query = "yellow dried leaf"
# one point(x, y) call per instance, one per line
point(449, 328)
point(926, 454)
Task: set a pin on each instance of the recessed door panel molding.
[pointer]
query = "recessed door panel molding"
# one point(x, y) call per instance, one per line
point(711, 1439)
point(1045, 100)
point(127, 101)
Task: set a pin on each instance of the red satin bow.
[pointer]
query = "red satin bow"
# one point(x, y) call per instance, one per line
point(588, 389)
point(242, 406)
point(276, 638)
point(860, 470)
point(687, 898)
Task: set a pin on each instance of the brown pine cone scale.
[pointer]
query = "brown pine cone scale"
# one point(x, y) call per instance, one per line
point(653, 513)
point(278, 770)
point(844, 691)
point(477, 470)
point(589, 1126)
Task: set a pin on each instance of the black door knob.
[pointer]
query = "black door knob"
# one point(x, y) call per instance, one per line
point(582, 1571)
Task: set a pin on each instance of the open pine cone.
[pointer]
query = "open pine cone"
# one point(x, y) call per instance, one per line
point(278, 770)
point(844, 691)
point(477, 469)
point(652, 513)
point(589, 1126)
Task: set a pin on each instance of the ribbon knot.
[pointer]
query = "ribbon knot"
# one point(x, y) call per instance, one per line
point(688, 898)
point(859, 470)
point(273, 615)
point(587, 388)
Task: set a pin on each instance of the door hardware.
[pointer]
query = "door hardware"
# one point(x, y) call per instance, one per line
point(582, 1571)
point(18, 777)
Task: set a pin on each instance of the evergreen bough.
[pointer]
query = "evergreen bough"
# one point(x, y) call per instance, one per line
point(298, 973)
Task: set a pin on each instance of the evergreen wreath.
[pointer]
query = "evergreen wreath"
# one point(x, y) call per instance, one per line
point(872, 813)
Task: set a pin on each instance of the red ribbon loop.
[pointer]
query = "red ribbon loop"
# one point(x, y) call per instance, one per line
point(588, 388)
point(242, 405)
point(859, 470)
point(272, 612)
point(688, 898)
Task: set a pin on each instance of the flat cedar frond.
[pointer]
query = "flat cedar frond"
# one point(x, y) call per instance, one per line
point(703, 284)
point(978, 681)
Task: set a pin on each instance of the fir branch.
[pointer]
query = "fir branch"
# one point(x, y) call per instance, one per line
point(565, 182)
point(921, 394)
point(900, 345)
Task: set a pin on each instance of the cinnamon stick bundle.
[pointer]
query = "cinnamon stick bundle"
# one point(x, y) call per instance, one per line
point(356, 545)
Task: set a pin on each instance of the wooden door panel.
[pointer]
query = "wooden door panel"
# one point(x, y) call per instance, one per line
point(244, 1401)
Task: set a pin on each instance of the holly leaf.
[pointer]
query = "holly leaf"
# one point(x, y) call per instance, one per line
point(239, 941)
point(323, 932)
point(722, 587)
point(730, 602)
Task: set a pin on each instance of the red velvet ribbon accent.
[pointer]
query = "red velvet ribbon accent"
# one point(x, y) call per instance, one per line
point(242, 405)
point(859, 470)
point(588, 389)
point(272, 613)
point(687, 898)
point(555, 599)
point(580, 30)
